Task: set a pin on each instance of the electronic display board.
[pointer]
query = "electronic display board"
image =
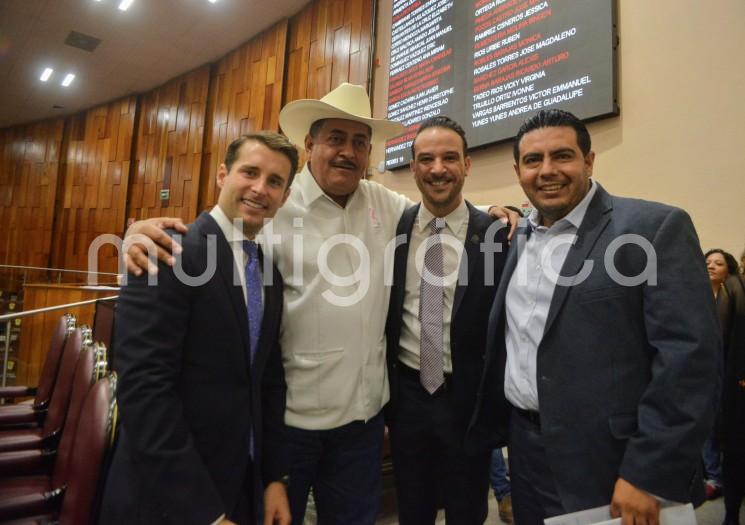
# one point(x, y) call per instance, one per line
point(490, 64)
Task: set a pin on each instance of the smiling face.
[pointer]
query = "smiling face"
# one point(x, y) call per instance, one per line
point(440, 167)
point(716, 265)
point(255, 186)
point(553, 172)
point(338, 156)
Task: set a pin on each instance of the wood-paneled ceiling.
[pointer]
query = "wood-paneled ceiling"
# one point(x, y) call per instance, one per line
point(141, 48)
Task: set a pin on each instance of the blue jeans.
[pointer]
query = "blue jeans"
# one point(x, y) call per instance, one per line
point(498, 475)
point(711, 456)
point(343, 465)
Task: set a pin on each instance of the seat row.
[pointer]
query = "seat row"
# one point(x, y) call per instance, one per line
point(53, 449)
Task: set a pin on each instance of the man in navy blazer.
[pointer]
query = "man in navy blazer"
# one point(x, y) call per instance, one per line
point(428, 426)
point(201, 400)
point(602, 344)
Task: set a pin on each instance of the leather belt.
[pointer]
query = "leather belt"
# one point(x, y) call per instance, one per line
point(413, 374)
point(531, 416)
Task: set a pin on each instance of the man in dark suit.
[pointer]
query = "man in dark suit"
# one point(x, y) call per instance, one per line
point(602, 345)
point(201, 385)
point(445, 276)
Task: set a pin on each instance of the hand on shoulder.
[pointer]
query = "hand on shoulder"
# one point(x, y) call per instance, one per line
point(149, 237)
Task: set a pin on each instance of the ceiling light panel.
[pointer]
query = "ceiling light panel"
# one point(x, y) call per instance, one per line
point(46, 74)
point(124, 5)
point(68, 79)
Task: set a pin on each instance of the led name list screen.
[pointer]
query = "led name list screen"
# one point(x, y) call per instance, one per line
point(490, 64)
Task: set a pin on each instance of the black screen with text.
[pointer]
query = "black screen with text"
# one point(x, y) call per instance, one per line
point(490, 64)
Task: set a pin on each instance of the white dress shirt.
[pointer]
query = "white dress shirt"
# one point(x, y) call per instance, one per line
point(456, 226)
point(529, 295)
point(333, 333)
point(235, 238)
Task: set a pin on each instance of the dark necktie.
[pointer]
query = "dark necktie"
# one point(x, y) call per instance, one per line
point(254, 304)
point(431, 374)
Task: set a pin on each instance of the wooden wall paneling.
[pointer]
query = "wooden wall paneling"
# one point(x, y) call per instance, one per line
point(169, 139)
point(29, 160)
point(37, 330)
point(361, 43)
point(329, 43)
point(94, 171)
point(298, 43)
point(245, 95)
point(206, 187)
point(83, 163)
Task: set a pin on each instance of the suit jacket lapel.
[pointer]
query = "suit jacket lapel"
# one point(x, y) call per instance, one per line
point(595, 220)
point(471, 247)
point(225, 268)
point(516, 246)
point(402, 255)
point(272, 302)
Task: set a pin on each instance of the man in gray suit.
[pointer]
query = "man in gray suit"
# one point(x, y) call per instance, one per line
point(602, 350)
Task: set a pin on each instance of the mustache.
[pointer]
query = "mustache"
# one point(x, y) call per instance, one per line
point(348, 164)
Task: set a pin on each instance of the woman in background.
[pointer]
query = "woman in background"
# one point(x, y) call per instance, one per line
point(720, 265)
point(733, 400)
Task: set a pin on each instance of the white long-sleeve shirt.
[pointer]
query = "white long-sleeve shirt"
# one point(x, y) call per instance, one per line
point(333, 332)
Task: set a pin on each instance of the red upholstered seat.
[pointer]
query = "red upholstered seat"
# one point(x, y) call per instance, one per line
point(29, 462)
point(69, 496)
point(20, 439)
point(34, 413)
point(93, 440)
point(36, 520)
point(48, 435)
point(85, 377)
point(14, 487)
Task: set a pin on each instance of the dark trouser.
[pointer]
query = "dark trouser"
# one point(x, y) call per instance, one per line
point(343, 467)
point(534, 493)
point(733, 470)
point(429, 463)
point(243, 512)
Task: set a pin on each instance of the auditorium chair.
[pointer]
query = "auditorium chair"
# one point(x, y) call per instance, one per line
point(48, 435)
point(34, 413)
point(72, 492)
point(103, 357)
point(42, 462)
point(103, 323)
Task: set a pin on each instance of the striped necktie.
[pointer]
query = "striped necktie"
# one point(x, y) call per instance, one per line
point(431, 374)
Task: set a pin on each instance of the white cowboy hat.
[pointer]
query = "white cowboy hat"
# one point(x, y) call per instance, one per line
point(348, 101)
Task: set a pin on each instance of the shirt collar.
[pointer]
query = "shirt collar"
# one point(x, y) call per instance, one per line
point(232, 234)
point(573, 218)
point(453, 220)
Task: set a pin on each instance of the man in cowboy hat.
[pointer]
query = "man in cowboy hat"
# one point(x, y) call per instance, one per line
point(333, 232)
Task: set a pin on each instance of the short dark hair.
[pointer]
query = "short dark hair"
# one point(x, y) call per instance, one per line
point(441, 121)
point(553, 118)
point(318, 124)
point(273, 141)
point(729, 259)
